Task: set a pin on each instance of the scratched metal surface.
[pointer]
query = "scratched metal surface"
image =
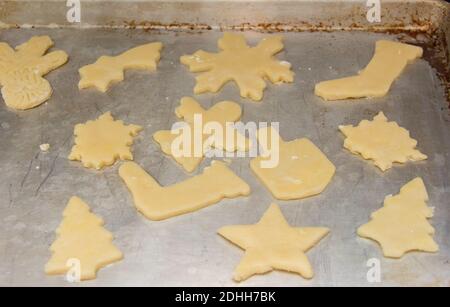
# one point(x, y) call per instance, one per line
point(185, 251)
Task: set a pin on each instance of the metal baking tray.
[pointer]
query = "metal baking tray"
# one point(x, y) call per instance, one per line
point(323, 40)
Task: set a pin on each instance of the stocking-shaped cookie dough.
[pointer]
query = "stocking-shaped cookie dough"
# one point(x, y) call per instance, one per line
point(82, 244)
point(22, 71)
point(272, 244)
point(302, 170)
point(375, 80)
point(402, 224)
point(159, 203)
point(247, 66)
point(221, 114)
point(109, 69)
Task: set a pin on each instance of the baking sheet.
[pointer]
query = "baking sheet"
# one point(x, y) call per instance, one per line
point(185, 251)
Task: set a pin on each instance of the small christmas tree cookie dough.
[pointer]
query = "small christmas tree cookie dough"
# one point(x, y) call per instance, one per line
point(101, 142)
point(110, 69)
point(381, 141)
point(402, 224)
point(219, 116)
point(22, 71)
point(82, 242)
point(158, 203)
point(302, 170)
point(272, 244)
point(236, 61)
point(388, 62)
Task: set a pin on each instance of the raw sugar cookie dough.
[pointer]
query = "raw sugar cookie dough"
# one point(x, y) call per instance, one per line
point(196, 117)
point(402, 224)
point(272, 244)
point(302, 169)
point(388, 62)
point(247, 66)
point(381, 141)
point(110, 69)
point(158, 203)
point(82, 242)
point(22, 71)
point(101, 142)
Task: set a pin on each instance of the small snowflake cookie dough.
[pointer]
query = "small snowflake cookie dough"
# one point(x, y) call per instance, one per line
point(110, 69)
point(272, 244)
point(381, 141)
point(101, 142)
point(22, 71)
point(82, 243)
point(388, 62)
point(247, 66)
point(301, 170)
point(219, 117)
point(402, 224)
point(158, 203)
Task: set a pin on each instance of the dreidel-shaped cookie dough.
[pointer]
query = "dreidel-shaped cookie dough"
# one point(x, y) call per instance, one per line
point(110, 69)
point(158, 203)
point(223, 136)
point(297, 169)
point(388, 62)
point(22, 71)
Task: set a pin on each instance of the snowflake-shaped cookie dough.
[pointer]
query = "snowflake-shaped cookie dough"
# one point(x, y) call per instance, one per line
point(238, 62)
point(101, 142)
point(21, 71)
point(382, 141)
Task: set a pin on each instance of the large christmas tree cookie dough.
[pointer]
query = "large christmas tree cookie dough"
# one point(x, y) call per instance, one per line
point(81, 238)
point(158, 203)
point(272, 244)
point(375, 80)
point(101, 142)
point(238, 62)
point(402, 224)
point(302, 170)
point(110, 69)
point(381, 141)
point(22, 71)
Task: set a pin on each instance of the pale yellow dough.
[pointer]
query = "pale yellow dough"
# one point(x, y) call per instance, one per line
point(382, 141)
point(81, 237)
point(375, 80)
point(110, 69)
point(247, 66)
point(101, 142)
point(401, 225)
point(158, 203)
point(22, 71)
point(272, 244)
point(303, 170)
point(221, 113)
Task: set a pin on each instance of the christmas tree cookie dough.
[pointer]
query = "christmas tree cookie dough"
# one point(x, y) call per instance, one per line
point(381, 141)
point(402, 224)
point(238, 62)
point(101, 142)
point(81, 238)
point(158, 203)
point(375, 80)
point(22, 71)
point(272, 244)
point(302, 169)
point(220, 115)
point(110, 69)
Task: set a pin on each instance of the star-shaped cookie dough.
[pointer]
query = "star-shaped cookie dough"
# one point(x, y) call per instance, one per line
point(238, 62)
point(382, 141)
point(272, 244)
point(101, 142)
point(22, 71)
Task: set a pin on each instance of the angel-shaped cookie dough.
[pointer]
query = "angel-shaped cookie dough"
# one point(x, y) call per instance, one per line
point(22, 71)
